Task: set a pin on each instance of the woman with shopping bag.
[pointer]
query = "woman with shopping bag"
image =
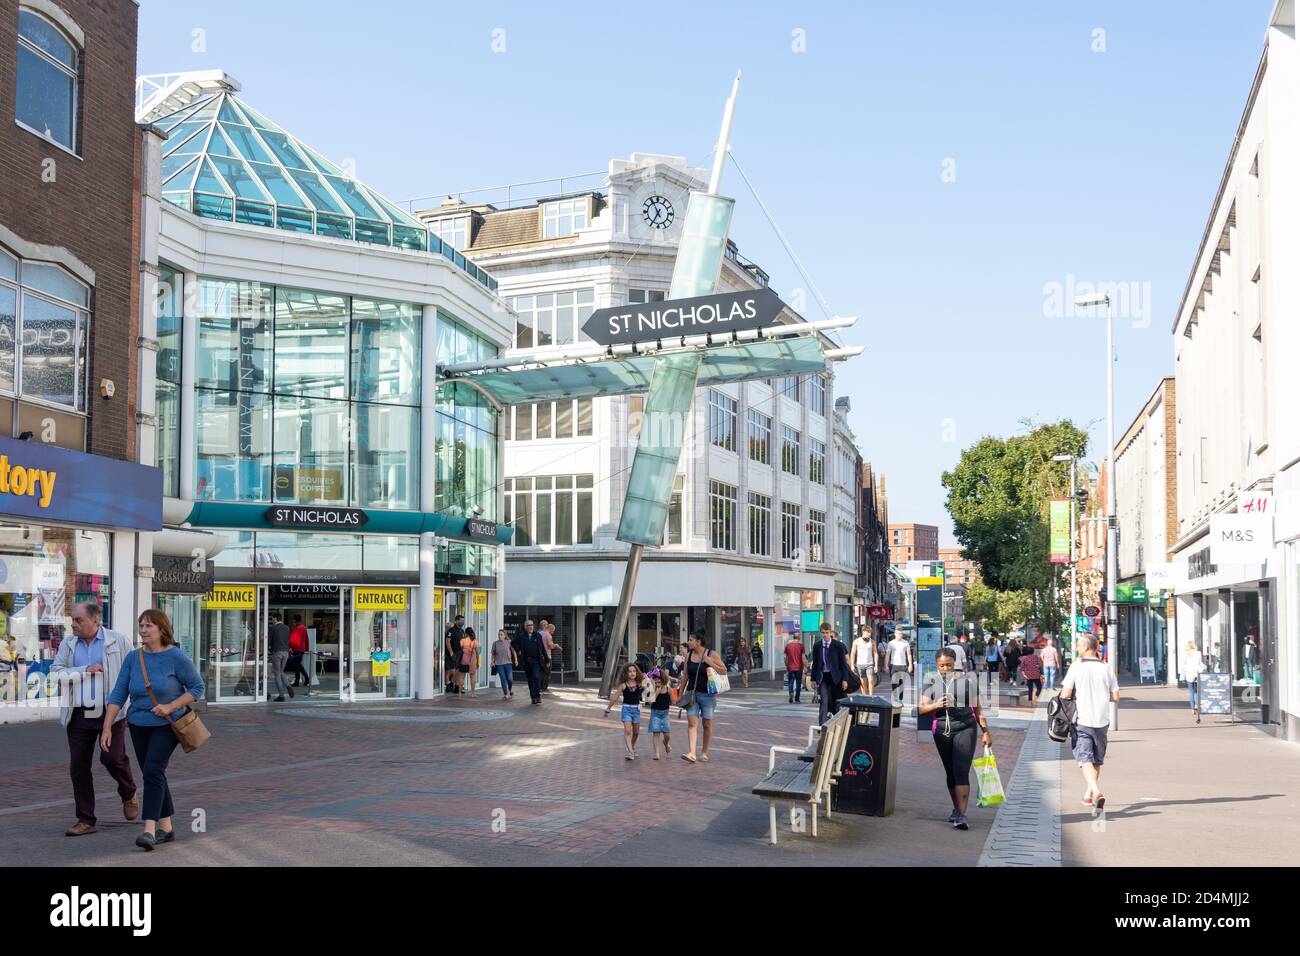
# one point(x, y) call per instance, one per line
point(951, 701)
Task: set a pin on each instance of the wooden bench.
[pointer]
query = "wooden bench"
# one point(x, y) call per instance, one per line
point(809, 777)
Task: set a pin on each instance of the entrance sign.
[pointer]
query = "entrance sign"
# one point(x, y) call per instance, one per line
point(307, 516)
point(1060, 528)
point(231, 597)
point(379, 599)
point(718, 313)
point(479, 600)
point(481, 530)
point(437, 599)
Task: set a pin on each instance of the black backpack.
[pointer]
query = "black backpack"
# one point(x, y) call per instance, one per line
point(1062, 715)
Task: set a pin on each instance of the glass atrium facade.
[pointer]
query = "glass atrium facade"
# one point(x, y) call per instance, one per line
point(224, 160)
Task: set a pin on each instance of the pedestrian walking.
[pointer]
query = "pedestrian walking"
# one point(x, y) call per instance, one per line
point(547, 631)
point(1091, 685)
point(744, 660)
point(899, 655)
point(1012, 661)
point(451, 653)
point(160, 681)
point(964, 663)
point(951, 701)
point(531, 652)
point(631, 690)
point(504, 661)
point(660, 702)
point(794, 661)
point(862, 659)
point(829, 672)
point(992, 654)
point(1193, 668)
point(699, 661)
point(469, 662)
point(86, 668)
point(299, 644)
point(277, 650)
point(1051, 659)
point(1031, 669)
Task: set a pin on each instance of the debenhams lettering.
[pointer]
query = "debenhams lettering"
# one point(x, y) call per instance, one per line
point(316, 517)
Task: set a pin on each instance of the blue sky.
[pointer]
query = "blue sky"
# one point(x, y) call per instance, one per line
point(934, 165)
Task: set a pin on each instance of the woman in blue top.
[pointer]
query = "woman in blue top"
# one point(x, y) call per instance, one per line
point(177, 684)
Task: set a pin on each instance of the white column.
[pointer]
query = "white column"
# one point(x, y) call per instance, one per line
point(424, 643)
point(189, 352)
point(122, 588)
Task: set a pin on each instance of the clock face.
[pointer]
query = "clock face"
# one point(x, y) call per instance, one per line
point(657, 212)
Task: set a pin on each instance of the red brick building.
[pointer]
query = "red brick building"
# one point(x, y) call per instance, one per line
point(913, 542)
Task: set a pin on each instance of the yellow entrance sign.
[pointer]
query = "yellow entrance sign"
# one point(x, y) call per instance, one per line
point(437, 599)
point(928, 582)
point(379, 599)
point(231, 597)
point(480, 600)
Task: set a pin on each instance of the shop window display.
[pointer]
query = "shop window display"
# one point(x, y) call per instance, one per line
point(43, 573)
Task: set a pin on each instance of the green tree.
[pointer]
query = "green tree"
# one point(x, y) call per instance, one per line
point(998, 611)
point(999, 495)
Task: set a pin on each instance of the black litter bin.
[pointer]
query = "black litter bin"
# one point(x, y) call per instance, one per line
point(869, 772)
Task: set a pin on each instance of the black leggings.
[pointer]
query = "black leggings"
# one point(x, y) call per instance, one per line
point(956, 752)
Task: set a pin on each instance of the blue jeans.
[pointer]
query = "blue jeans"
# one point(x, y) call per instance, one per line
point(153, 748)
point(1191, 693)
point(506, 675)
point(793, 683)
point(1049, 677)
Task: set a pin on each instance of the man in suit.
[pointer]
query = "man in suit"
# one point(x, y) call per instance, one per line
point(829, 671)
point(86, 668)
point(529, 646)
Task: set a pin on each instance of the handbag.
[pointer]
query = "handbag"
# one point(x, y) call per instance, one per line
point(718, 683)
point(986, 774)
point(189, 730)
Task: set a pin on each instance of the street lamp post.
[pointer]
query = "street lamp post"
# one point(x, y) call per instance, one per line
point(1112, 553)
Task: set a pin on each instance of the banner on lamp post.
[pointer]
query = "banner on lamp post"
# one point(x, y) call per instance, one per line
point(1060, 529)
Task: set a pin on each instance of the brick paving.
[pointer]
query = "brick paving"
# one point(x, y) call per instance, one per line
point(1027, 830)
point(311, 783)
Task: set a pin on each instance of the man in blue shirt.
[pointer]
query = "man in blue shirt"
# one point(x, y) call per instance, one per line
point(87, 665)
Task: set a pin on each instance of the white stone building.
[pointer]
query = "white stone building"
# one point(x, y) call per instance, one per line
point(1235, 337)
point(754, 536)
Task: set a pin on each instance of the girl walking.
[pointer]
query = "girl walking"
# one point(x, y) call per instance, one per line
point(160, 680)
point(659, 704)
point(631, 690)
point(951, 700)
point(744, 660)
point(469, 662)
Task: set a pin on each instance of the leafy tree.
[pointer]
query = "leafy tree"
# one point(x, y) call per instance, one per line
point(999, 611)
point(999, 496)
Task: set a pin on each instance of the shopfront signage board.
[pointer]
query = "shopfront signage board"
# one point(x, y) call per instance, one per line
point(379, 599)
point(720, 314)
point(231, 597)
point(1241, 538)
point(314, 516)
point(1215, 694)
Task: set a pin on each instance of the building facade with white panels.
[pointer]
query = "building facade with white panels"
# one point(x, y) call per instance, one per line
point(1235, 340)
point(752, 545)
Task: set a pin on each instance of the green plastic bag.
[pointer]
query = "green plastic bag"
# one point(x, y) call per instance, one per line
point(986, 773)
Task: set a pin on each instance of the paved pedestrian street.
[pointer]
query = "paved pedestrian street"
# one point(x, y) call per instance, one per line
point(423, 783)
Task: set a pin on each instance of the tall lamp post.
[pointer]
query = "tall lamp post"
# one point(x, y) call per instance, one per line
point(1112, 552)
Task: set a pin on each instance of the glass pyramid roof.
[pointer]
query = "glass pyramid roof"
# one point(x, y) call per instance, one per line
point(224, 160)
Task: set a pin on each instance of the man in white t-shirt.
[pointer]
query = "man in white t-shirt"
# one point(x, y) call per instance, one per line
point(1092, 686)
point(862, 659)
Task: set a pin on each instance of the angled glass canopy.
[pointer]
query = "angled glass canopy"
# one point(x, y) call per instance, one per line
point(224, 160)
point(770, 358)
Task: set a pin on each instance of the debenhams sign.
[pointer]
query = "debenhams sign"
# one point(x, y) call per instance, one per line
point(719, 314)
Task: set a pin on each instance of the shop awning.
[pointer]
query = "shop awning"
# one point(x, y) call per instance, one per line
point(624, 374)
point(253, 517)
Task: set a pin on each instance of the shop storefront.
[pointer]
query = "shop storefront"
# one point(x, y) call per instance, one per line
point(68, 524)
